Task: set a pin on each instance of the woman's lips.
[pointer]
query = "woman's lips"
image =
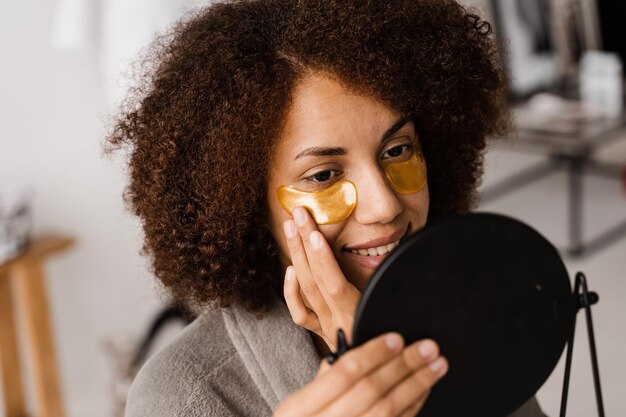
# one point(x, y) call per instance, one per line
point(371, 262)
point(381, 241)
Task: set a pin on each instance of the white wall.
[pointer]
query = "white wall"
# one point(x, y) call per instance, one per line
point(52, 124)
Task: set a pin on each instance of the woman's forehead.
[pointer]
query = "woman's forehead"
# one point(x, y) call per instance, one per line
point(324, 112)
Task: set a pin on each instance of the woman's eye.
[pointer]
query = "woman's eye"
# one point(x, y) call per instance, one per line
point(400, 150)
point(321, 177)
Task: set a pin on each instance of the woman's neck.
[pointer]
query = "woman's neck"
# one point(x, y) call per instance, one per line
point(320, 345)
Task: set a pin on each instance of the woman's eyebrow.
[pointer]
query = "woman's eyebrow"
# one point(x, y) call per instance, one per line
point(338, 151)
point(317, 151)
point(396, 126)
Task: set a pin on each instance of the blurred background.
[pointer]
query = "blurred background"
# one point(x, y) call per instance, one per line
point(64, 70)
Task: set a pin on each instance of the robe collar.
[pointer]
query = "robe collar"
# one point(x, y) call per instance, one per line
point(279, 355)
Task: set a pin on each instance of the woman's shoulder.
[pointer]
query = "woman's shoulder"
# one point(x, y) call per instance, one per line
point(185, 378)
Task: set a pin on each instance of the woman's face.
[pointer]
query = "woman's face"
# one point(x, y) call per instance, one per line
point(324, 114)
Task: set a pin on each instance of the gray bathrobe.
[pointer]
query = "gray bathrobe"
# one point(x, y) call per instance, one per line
point(228, 363)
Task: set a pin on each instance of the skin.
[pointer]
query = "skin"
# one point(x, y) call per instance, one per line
point(322, 283)
point(326, 284)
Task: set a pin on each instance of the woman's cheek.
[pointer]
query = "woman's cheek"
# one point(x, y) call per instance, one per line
point(331, 234)
point(416, 207)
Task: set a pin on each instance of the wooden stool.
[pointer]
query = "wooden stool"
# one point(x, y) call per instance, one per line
point(22, 283)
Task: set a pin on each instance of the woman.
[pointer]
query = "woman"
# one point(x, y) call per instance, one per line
point(289, 139)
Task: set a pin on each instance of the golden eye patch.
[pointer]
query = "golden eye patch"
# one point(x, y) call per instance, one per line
point(330, 205)
point(408, 177)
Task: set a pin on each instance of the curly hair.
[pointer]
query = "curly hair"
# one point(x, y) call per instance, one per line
point(202, 127)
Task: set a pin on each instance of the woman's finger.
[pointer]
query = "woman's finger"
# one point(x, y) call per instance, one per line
point(302, 267)
point(300, 314)
point(415, 407)
point(329, 276)
point(414, 388)
point(414, 357)
point(324, 367)
point(336, 290)
point(373, 388)
point(349, 368)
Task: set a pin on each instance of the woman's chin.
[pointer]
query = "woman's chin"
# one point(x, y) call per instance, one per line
point(356, 273)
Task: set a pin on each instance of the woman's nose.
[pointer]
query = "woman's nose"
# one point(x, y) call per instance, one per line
point(377, 201)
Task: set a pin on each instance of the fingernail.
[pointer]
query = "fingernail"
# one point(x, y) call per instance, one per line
point(290, 228)
point(299, 216)
point(393, 341)
point(436, 366)
point(316, 240)
point(426, 349)
point(289, 275)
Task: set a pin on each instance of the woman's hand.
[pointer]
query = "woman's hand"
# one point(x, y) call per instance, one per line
point(318, 295)
point(377, 379)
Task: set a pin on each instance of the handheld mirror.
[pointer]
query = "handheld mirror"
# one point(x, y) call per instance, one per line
point(492, 292)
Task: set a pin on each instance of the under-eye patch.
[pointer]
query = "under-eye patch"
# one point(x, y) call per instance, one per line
point(408, 177)
point(330, 205)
